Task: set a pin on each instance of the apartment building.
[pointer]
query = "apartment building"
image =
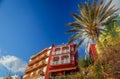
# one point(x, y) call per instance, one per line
point(36, 68)
point(51, 62)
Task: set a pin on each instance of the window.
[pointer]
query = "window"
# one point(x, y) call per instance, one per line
point(44, 70)
point(42, 56)
point(57, 51)
point(38, 71)
point(34, 65)
point(55, 60)
point(48, 53)
point(72, 58)
point(72, 48)
point(31, 74)
point(65, 59)
point(46, 61)
point(40, 63)
point(65, 49)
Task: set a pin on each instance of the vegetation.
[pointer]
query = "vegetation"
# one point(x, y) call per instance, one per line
point(97, 22)
point(108, 64)
point(110, 35)
point(110, 56)
point(91, 20)
point(83, 63)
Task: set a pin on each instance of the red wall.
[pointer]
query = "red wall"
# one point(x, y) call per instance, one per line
point(62, 66)
point(93, 52)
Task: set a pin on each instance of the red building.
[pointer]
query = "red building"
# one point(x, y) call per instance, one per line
point(92, 51)
point(62, 61)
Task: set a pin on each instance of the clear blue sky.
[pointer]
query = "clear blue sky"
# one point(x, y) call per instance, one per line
point(28, 26)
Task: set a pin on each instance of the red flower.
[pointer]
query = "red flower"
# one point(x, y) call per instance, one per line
point(56, 58)
point(65, 56)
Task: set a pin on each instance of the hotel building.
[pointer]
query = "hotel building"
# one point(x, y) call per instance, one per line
point(62, 61)
point(52, 62)
point(37, 65)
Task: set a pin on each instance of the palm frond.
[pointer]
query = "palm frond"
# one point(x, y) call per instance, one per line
point(79, 19)
point(79, 43)
point(83, 15)
point(94, 8)
point(88, 10)
point(106, 7)
point(109, 20)
point(99, 9)
point(94, 4)
point(75, 37)
point(76, 25)
point(108, 13)
point(91, 20)
point(72, 30)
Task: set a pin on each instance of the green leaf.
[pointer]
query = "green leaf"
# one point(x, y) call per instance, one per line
point(78, 44)
point(72, 30)
point(76, 25)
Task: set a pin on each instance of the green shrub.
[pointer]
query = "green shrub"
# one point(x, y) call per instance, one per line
point(62, 77)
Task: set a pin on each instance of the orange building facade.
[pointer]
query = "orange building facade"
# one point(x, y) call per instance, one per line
point(37, 65)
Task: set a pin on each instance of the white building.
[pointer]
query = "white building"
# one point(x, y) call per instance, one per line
point(11, 77)
point(16, 77)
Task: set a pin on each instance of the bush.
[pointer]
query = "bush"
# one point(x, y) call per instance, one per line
point(61, 77)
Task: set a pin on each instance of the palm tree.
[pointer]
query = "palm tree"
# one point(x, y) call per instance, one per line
point(91, 21)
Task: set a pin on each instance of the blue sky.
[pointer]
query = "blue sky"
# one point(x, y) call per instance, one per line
point(28, 26)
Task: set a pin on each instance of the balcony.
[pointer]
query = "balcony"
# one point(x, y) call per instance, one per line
point(61, 50)
point(60, 60)
point(26, 76)
point(43, 56)
point(28, 69)
point(36, 66)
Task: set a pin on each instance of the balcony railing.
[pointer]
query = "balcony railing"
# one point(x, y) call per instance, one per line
point(61, 59)
point(26, 76)
point(38, 59)
point(63, 50)
point(38, 65)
